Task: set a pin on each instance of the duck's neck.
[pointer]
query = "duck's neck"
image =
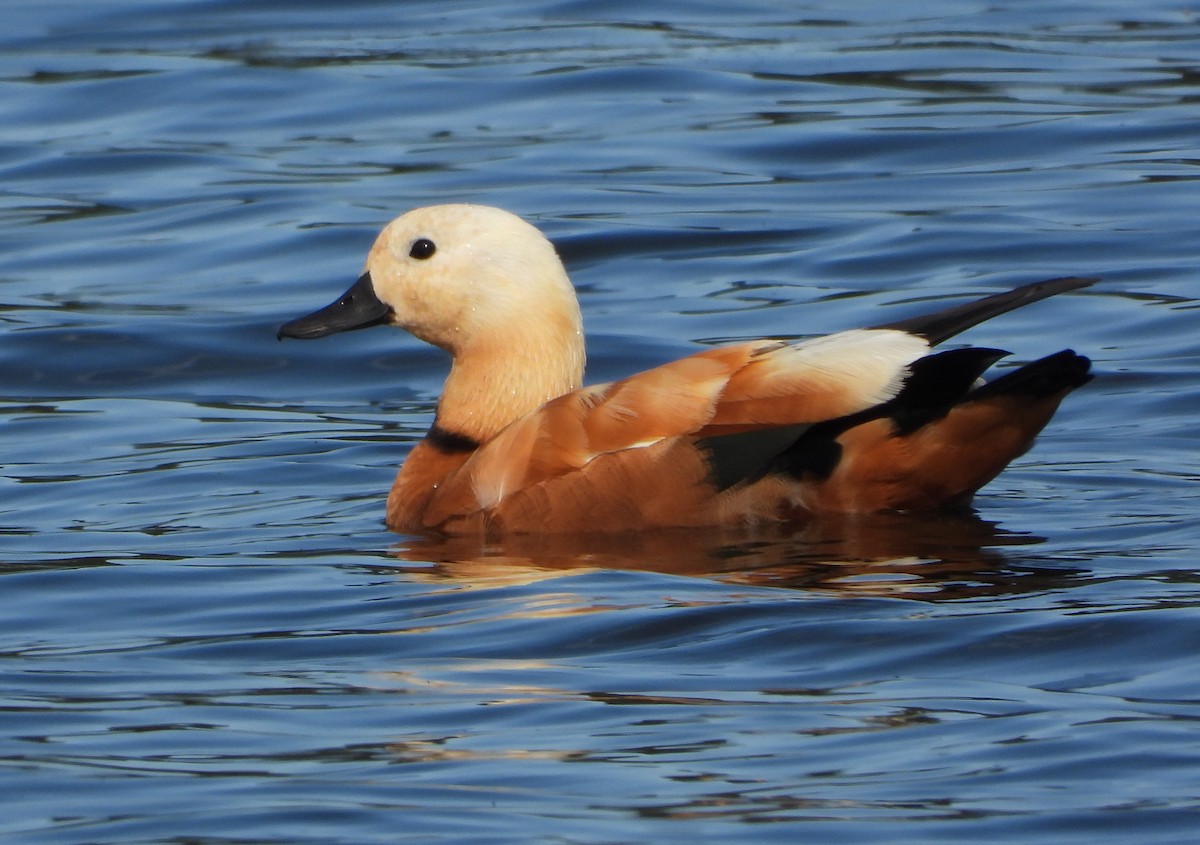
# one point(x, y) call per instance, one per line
point(492, 384)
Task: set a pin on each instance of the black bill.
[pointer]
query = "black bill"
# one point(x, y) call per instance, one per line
point(357, 308)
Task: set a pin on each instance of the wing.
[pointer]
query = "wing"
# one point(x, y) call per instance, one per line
point(617, 433)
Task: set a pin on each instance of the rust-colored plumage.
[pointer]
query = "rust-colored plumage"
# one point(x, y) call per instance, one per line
point(858, 421)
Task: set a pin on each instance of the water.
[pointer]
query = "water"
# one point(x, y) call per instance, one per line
point(210, 637)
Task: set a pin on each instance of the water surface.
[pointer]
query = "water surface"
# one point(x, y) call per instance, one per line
point(210, 636)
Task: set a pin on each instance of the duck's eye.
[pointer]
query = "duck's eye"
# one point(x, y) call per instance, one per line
point(422, 248)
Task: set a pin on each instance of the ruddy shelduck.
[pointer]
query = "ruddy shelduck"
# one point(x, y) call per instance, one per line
point(862, 420)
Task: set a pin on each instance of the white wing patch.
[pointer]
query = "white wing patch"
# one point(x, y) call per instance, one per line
point(871, 363)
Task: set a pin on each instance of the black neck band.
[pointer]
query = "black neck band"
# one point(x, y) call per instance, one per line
point(450, 441)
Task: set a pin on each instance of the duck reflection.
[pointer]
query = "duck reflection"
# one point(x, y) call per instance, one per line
point(945, 555)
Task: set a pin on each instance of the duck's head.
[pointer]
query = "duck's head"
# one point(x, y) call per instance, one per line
point(463, 277)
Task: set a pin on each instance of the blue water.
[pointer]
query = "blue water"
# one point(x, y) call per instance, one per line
point(209, 637)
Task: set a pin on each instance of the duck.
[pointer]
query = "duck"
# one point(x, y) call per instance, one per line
point(769, 431)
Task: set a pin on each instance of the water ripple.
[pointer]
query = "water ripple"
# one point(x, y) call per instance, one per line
point(201, 600)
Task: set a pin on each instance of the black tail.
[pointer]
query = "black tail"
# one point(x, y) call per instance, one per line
point(1044, 377)
point(945, 324)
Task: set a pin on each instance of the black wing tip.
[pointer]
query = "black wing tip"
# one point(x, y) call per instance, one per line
point(948, 322)
point(1035, 291)
point(1063, 282)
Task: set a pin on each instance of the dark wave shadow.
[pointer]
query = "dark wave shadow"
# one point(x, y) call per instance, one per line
point(927, 556)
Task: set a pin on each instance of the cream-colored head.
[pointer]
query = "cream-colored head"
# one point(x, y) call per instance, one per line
point(487, 287)
point(458, 276)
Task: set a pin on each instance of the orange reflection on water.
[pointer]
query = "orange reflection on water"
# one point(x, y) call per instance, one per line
point(924, 556)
